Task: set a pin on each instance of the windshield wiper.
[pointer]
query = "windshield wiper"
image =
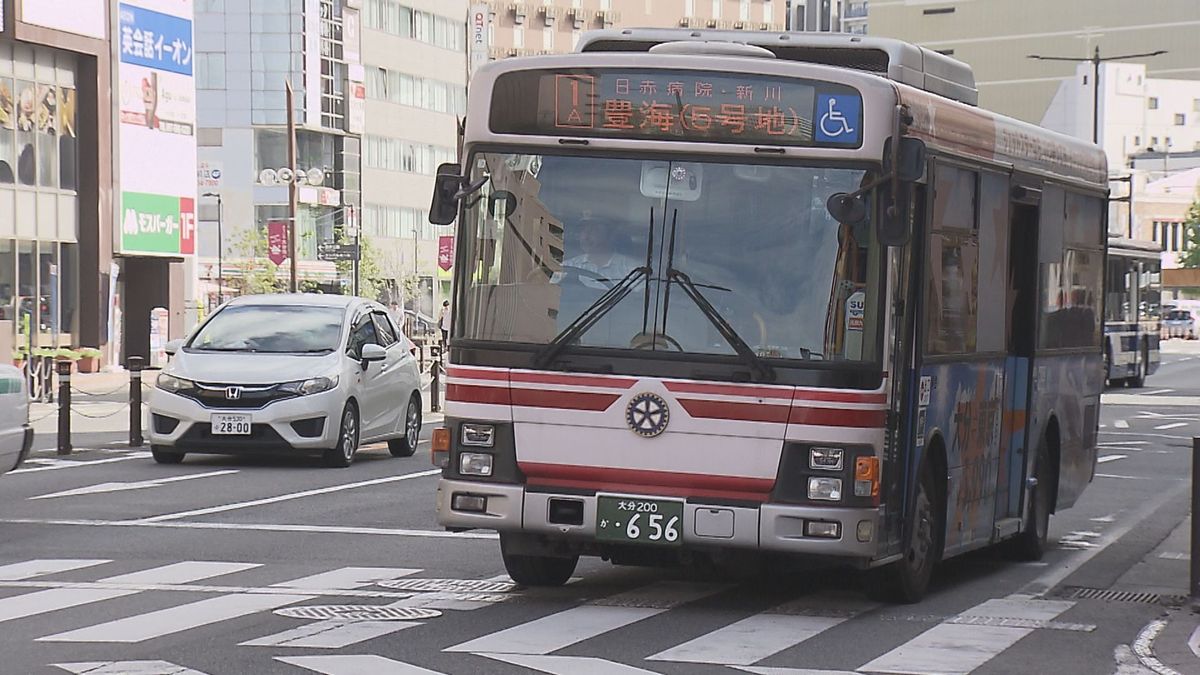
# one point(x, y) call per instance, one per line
point(590, 316)
point(762, 370)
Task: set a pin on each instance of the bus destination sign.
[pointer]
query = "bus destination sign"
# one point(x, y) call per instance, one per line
point(680, 105)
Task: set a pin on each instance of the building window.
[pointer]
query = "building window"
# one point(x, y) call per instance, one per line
point(519, 37)
point(392, 17)
point(768, 11)
point(689, 7)
point(1137, 140)
point(1152, 102)
point(418, 92)
point(1180, 119)
point(393, 154)
point(744, 10)
point(548, 38)
point(716, 7)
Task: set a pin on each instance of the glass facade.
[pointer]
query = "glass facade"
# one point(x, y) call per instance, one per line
point(418, 92)
point(401, 20)
point(39, 177)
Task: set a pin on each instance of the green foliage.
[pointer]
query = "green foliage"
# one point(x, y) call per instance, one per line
point(257, 273)
point(89, 353)
point(372, 280)
point(1190, 257)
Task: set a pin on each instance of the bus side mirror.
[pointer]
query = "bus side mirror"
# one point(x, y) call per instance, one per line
point(446, 186)
point(911, 160)
point(904, 163)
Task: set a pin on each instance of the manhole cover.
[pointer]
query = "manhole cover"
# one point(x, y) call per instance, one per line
point(449, 585)
point(358, 613)
point(1085, 593)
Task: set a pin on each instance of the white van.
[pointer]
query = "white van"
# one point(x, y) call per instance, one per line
point(16, 436)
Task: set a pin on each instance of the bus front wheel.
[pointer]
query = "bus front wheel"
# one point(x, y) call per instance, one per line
point(537, 570)
point(907, 579)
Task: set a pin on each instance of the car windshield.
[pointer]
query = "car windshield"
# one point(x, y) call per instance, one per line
point(549, 236)
point(277, 329)
point(1179, 315)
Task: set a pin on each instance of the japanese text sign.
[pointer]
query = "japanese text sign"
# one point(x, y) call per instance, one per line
point(277, 241)
point(154, 40)
point(446, 252)
point(685, 105)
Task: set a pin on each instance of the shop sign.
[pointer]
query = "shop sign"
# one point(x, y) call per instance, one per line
point(155, 223)
point(446, 252)
point(277, 241)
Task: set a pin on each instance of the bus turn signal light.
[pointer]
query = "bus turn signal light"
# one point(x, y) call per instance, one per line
point(440, 447)
point(866, 477)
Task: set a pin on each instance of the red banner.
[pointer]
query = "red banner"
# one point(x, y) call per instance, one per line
point(187, 226)
point(446, 252)
point(277, 241)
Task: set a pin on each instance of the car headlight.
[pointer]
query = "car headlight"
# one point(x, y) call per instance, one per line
point(170, 383)
point(475, 464)
point(313, 385)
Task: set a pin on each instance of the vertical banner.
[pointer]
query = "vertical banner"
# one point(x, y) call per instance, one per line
point(479, 43)
point(350, 36)
point(156, 128)
point(446, 252)
point(277, 241)
point(356, 99)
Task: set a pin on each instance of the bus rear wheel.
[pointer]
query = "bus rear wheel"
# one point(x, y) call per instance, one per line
point(1034, 539)
point(537, 570)
point(1143, 369)
point(907, 580)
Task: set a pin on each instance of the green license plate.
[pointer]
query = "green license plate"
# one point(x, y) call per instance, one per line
point(645, 521)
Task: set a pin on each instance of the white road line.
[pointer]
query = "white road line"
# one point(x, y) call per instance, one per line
point(1121, 424)
point(1115, 475)
point(67, 594)
point(103, 488)
point(74, 464)
point(1106, 443)
point(1175, 425)
point(569, 665)
point(1110, 458)
point(756, 637)
point(37, 568)
point(330, 634)
point(287, 497)
point(348, 577)
point(563, 629)
point(958, 649)
point(142, 627)
point(1157, 391)
point(766, 670)
point(355, 664)
point(262, 527)
point(1142, 399)
point(1194, 642)
point(126, 668)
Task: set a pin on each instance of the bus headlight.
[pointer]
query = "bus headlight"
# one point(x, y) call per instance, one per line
point(825, 459)
point(825, 489)
point(478, 435)
point(475, 464)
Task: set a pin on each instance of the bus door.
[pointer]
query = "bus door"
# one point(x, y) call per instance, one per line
point(1020, 340)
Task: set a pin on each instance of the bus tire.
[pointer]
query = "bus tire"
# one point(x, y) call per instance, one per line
point(538, 570)
point(907, 580)
point(1143, 368)
point(1034, 539)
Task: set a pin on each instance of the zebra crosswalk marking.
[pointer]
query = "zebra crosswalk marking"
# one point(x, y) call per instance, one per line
point(958, 649)
point(565, 628)
point(347, 578)
point(765, 670)
point(36, 568)
point(49, 600)
point(756, 637)
point(355, 664)
point(569, 665)
point(126, 668)
point(144, 627)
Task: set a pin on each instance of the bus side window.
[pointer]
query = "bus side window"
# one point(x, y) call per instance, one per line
point(952, 306)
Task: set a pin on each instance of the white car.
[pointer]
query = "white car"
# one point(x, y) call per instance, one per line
point(16, 436)
point(293, 374)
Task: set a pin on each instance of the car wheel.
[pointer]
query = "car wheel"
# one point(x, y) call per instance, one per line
point(163, 455)
point(342, 455)
point(1031, 544)
point(538, 570)
point(907, 579)
point(406, 445)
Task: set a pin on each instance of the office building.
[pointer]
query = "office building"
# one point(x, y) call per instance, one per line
point(828, 16)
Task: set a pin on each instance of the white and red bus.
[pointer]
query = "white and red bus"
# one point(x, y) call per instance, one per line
point(763, 293)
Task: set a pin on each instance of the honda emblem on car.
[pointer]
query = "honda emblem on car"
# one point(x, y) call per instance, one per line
point(233, 393)
point(647, 415)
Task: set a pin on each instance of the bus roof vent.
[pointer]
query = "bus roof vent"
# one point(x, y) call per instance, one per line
point(894, 59)
point(711, 48)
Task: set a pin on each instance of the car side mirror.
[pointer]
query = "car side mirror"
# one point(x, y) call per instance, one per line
point(373, 352)
point(172, 347)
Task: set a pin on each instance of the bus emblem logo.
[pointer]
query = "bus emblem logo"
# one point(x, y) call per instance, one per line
point(647, 415)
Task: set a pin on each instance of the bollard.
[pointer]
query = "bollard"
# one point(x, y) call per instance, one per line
point(421, 355)
point(64, 407)
point(1195, 561)
point(435, 362)
point(135, 402)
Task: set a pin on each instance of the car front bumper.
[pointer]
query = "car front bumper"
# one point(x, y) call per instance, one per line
point(185, 425)
point(769, 527)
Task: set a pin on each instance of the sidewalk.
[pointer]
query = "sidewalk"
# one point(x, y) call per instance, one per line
point(1170, 644)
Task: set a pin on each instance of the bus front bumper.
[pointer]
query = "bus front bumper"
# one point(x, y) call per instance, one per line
point(784, 528)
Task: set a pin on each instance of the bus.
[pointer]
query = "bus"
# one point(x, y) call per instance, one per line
point(1132, 311)
point(727, 295)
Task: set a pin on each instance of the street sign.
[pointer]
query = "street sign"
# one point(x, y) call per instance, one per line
point(337, 252)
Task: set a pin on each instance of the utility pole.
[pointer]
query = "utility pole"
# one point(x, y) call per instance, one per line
point(291, 133)
point(220, 249)
point(1096, 60)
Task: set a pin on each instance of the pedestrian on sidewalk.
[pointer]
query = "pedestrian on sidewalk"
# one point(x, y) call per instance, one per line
point(444, 323)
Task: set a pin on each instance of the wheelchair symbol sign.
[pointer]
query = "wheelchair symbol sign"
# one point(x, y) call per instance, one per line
point(838, 118)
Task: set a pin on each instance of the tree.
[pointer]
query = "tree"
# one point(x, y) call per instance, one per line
point(1190, 256)
point(257, 274)
point(371, 279)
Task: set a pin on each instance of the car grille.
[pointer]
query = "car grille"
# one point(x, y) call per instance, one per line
point(212, 395)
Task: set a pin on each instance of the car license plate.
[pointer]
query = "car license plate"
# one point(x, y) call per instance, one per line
point(645, 521)
point(231, 425)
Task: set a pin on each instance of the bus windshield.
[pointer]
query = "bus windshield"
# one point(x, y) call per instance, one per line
point(700, 257)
